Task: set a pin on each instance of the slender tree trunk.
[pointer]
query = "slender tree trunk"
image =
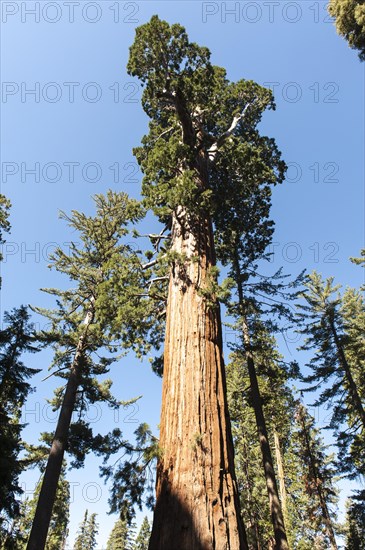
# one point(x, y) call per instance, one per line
point(197, 506)
point(354, 394)
point(47, 495)
point(272, 489)
point(318, 484)
point(281, 477)
point(254, 524)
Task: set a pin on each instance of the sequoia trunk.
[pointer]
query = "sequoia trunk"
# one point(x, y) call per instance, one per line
point(197, 504)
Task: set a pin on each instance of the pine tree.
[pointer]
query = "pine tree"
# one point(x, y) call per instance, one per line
point(4, 221)
point(16, 339)
point(337, 364)
point(248, 458)
point(80, 542)
point(202, 150)
point(319, 473)
point(92, 530)
point(121, 536)
point(143, 537)
point(355, 522)
point(243, 233)
point(88, 530)
point(133, 478)
point(278, 405)
point(58, 530)
point(350, 22)
point(106, 309)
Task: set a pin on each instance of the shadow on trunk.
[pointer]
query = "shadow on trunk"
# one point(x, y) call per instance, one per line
point(182, 533)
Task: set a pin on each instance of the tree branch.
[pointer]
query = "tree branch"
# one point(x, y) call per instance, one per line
point(213, 150)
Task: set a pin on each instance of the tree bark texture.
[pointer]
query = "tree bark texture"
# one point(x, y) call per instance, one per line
point(197, 506)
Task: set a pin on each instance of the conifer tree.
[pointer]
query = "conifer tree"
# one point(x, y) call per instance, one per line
point(248, 457)
point(201, 153)
point(88, 530)
point(16, 338)
point(277, 404)
point(106, 309)
point(143, 537)
point(350, 22)
point(355, 521)
point(58, 530)
point(333, 326)
point(91, 533)
point(81, 536)
point(121, 537)
point(118, 537)
point(4, 221)
point(243, 233)
point(319, 473)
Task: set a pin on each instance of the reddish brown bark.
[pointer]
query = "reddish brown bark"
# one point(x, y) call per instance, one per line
point(197, 501)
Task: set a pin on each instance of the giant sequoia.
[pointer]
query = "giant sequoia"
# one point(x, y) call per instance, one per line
point(202, 152)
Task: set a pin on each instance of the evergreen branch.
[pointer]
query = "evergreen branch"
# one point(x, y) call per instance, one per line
point(213, 150)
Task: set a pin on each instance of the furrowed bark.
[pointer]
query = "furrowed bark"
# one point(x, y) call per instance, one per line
point(197, 506)
point(38, 535)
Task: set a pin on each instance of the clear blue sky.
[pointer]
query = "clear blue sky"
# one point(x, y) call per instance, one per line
point(78, 129)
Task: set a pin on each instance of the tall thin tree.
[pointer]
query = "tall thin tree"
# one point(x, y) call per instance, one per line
point(333, 329)
point(103, 311)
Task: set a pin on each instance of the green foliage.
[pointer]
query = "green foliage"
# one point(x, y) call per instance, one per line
point(121, 537)
point(360, 260)
point(318, 478)
point(58, 530)
point(355, 522)
point(109, 310)
point(334, 326)
point(4, 222)
point(133, 479)
point(191, 157)
point(248, 458)
point(109, 276)
point(350, 22)
point(15, 339)
point(88, 530)
point(143, 537)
